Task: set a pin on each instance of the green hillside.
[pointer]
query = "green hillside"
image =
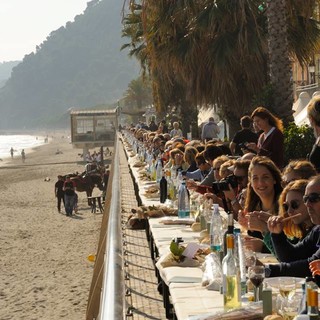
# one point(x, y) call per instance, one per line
point(79, 65)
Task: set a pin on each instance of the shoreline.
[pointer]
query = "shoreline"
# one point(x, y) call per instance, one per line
point(40, 136)
point(45, 273)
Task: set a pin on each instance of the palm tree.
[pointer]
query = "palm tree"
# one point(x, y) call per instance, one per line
point(291, 31)
point(139, 94)
point(216, 52)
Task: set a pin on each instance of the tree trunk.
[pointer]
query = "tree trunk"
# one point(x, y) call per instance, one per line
point(279, 63)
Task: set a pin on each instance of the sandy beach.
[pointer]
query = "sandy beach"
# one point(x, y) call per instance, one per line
point(45, 273)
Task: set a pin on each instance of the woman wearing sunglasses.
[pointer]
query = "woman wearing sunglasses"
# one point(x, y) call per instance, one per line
point(297, 257)
point(263, 191)
point(290, 204)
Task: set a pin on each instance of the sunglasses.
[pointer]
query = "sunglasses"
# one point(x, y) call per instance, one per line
point(217, 169)
point(294, 204)
point(312, 197)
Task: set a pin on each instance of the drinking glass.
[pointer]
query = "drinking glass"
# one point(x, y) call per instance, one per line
point(256, 275)
point(290, 307)
point(194, 210)
point(287, 287)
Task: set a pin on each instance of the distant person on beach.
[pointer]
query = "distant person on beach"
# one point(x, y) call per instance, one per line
point(23, 155)
point(11, 152)
point(59, 193)
point(69, 196)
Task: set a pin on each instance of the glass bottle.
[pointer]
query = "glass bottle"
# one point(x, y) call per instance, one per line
point(228, 231)
point(231, 277)
point(312, 300)
point(241, 260)
point(216, 230)
point(171, 186)
point(159, 170)
point(163, 189)
point(183, 201)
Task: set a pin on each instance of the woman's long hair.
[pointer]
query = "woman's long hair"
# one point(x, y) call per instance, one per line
point(264, 113)
point(291, 229)
point(253, 201)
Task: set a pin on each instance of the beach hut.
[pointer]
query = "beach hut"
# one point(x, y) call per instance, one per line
point(93, 128)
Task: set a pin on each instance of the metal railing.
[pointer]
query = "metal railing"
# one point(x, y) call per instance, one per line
point(106, 297)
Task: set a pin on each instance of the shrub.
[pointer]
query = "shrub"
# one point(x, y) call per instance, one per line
point(298, 141)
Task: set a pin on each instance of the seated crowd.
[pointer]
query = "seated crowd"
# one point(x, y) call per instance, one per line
point(262, 191)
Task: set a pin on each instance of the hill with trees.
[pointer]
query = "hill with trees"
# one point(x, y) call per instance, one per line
point(5, 71)
point(80, 65)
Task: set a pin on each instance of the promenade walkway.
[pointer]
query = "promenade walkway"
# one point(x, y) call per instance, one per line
point(142, 283)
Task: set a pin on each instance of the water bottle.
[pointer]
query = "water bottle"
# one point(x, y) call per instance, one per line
point(216, 230)
point(183, 201)
point(159, 170)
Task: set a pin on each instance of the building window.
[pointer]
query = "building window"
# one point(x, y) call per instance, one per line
point(84, 125)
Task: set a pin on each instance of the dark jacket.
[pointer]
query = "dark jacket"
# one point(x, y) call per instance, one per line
point(273, 147)
point(295, 257)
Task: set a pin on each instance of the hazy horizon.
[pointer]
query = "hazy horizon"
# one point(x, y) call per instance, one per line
point(28, 23)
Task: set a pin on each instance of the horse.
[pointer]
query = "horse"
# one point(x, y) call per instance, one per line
point(86, 183)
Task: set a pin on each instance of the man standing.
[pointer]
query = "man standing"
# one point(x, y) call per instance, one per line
point(58, 191)
point(210, 130)
point(243, 136)
point(69, 195)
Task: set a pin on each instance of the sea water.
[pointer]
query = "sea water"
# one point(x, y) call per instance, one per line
point(18, 142)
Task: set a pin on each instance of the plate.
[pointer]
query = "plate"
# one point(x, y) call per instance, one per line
point(274, 282)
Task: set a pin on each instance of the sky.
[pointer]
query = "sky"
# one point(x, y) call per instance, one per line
point(24, 24)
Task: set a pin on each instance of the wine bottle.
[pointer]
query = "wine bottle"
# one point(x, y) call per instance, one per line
point(163, 189)
point(231, 277)
point(312, 300)
point(228, 231)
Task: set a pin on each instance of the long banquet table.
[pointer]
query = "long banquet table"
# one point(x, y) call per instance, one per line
point(183, 284)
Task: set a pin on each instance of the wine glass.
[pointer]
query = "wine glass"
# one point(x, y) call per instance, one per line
point(256, 275)
point(194, 210)
point(290, 307)
point(287, 287)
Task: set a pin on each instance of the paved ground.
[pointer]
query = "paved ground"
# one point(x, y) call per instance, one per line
point(145, 299)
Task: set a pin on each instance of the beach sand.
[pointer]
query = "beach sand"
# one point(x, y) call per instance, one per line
point(44, 273)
